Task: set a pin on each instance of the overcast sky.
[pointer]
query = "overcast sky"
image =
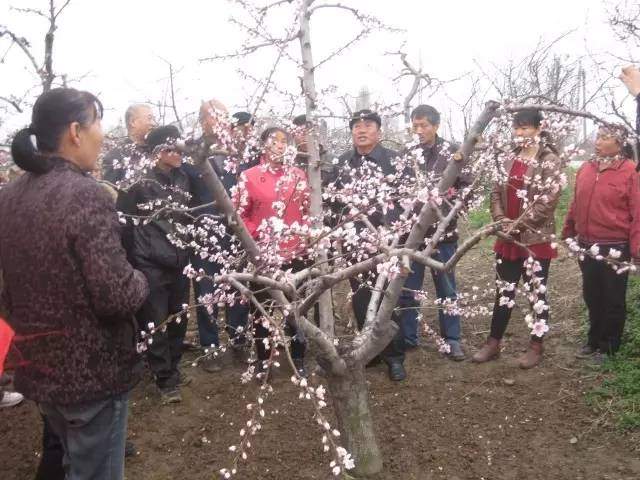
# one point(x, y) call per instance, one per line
point(117, 47)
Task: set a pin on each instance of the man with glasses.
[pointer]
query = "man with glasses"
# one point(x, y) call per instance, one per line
point(160, 260)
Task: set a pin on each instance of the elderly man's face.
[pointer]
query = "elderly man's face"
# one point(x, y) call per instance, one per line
point(142, 122)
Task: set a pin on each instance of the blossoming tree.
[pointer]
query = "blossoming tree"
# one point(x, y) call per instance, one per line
point(349, 246)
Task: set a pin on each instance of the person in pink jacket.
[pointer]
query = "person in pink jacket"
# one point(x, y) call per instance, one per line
point(272, 200)
point(274, 195)
point(604, 217)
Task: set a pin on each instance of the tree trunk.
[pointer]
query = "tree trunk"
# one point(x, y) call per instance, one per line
point(351, 405)
point(325, 304)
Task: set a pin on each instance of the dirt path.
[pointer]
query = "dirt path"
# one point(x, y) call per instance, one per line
point(447, 421)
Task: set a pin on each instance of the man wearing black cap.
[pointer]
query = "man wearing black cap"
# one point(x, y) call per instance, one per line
point(160, 260)
point(365, 131)
point(247, 145)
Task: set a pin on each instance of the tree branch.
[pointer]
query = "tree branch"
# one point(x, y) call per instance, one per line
point(13, 103)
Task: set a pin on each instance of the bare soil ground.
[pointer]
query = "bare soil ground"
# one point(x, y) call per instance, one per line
point(447, 421)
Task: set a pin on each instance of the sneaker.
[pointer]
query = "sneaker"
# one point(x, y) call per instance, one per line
point(170, 395)
point(455, 351)
point(210, 364)
point(299, 364)
point(397, 372)
point(586, 351)
point(10, 399)
point(184, 380)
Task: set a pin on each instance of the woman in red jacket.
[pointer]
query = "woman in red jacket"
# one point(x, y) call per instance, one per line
point(604, 217)
point(272, 200)
point(526, 207)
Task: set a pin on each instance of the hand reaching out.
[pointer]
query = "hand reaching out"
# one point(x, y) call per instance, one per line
point(630, 76)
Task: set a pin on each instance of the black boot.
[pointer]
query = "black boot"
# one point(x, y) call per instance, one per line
point(396, 371)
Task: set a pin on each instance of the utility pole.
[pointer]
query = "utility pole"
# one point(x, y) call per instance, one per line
point(583, 81)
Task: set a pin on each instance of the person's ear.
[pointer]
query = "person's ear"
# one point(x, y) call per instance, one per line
point(74, 133)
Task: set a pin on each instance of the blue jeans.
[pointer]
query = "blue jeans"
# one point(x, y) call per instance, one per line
point(236, 315)
point(93, 436)
point(445, 284)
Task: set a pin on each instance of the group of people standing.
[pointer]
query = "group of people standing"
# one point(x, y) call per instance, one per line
point(75, 282)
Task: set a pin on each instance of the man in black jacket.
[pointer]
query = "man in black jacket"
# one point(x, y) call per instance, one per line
point(160, 260)
point(367, 152)
point(122, 166)
point(433, 155)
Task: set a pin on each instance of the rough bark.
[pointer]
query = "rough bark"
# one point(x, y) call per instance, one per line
point(313, 149)
point(350, 398)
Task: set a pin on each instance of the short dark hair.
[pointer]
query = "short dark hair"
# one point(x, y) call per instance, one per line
point(166, 134)
point(267, 132)
point(529, 117)
point(426, 111)
point(52, 114)
point(365, 114)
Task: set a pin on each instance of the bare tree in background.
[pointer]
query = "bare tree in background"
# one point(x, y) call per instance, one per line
point(421, 81)
point(43, 69)
point(624, 18)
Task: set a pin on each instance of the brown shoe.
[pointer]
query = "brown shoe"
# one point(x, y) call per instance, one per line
point(533, 355)
point(489, 351)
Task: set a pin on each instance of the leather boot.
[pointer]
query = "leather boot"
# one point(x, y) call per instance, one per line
point(489, 351)
point(532, 357)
